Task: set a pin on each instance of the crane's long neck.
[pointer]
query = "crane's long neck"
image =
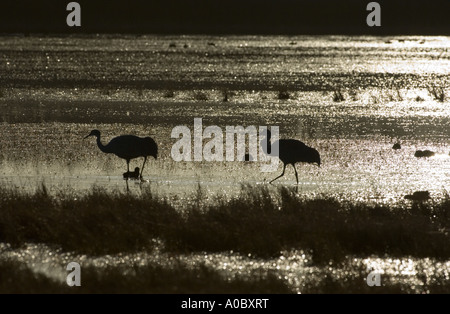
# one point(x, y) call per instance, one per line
point(102, 147)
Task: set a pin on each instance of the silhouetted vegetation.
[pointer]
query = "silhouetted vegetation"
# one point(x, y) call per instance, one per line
point(438, 93)
point(394, 94)
point(169, 94)
point(227, 94)
point(256, 222)
point(338, 96)
point(283, 95)
point(96, 223)
point(200, 96)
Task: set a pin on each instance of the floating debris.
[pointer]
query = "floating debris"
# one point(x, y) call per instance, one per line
point(132, 174)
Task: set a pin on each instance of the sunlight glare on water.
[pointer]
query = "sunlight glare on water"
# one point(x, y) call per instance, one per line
point(351, 98)
point(294, 268)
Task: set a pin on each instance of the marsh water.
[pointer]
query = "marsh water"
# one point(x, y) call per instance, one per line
point(54, 90)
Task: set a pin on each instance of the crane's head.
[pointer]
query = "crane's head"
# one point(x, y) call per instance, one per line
point(315, 157)
point(95, 133)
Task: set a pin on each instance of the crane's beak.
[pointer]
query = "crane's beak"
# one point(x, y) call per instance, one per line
point(86, 136)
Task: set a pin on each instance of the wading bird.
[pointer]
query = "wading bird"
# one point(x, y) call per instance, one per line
point(128, 147)
point(291, 151)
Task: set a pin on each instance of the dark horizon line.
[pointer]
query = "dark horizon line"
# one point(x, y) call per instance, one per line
point(231, 17)
point(112, 32)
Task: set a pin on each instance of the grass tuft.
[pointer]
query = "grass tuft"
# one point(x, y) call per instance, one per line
point(338, 96)
point(258, 221)
point(438, 93)
point(200, 96)
point(169, 94)
point(283, 95)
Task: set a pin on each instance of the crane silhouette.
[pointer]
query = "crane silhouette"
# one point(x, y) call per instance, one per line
point(128, 147)
point(291, 151)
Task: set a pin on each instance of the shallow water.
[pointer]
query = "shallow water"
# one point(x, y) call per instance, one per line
point(354, 139)
point(294, 267)
point(54, 90)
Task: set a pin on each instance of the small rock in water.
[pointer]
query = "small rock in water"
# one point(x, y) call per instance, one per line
point(396, 146)
point(424, 153)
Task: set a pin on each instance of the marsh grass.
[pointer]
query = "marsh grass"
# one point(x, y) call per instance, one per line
point(258, 221)
point(169, 93)
point(393, 94)
point(200, 96)
point(96, 223)
point(338, 96)
point(284, 95)
point(438, 93)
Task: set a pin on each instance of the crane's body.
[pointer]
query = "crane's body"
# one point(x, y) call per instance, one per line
point(128, 147)
point(291, 151)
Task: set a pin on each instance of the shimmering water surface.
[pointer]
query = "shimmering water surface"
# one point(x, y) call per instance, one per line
point(293, 267)
point(54, 90)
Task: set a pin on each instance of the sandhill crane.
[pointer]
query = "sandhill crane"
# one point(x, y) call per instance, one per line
point(128, 147)
point(291, 151)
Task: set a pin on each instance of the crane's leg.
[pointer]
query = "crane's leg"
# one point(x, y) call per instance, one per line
point(128, 188)
point(128, 170)
point(282, 174)
point(142, 170)
point(296, 175)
